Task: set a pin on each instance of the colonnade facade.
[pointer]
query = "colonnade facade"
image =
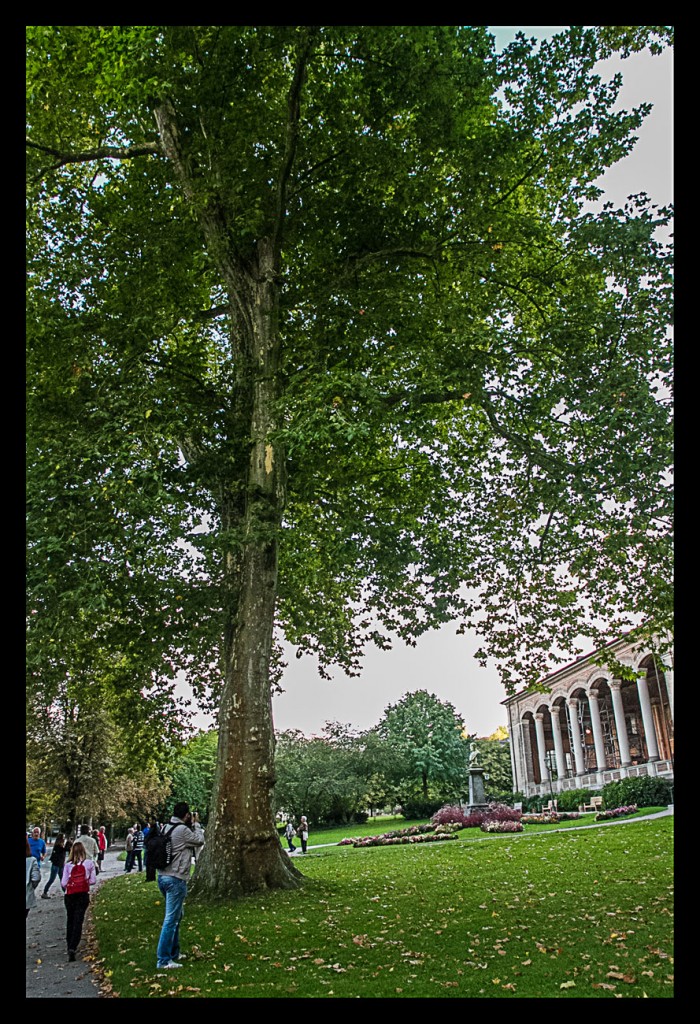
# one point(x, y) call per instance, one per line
point(594, 724)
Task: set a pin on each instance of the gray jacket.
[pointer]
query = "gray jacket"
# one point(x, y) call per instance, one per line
point(184, 841)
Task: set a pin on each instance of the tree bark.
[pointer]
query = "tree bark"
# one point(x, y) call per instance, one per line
point(243, 852)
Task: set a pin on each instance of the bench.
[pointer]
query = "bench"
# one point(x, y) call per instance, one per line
point(595, 804)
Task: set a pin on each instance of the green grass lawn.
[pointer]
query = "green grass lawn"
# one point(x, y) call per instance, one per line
point(584, 913)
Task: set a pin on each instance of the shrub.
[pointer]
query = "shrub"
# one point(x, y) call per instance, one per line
point(448, 814)
point(413, 809)
point(570, 800)
point(502, 812)
point(644, 792)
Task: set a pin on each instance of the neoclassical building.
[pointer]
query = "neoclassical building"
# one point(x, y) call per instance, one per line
point(590, 727)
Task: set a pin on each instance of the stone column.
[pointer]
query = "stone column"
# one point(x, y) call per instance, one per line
point(541, 748)
point(668, 675)
point(598, 740)
point(647, 718)
point(527, 756)
point(572, 704)
point(620, 723)
point(558, 745)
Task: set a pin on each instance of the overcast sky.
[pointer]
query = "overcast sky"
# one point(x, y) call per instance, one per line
point(443, 662)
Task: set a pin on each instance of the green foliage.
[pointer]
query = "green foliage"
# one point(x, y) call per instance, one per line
point(193, 771)
point(424, 325)
point(426, 736)
point(571, 799)
point(644, 792)
point(322, 777)
point(494, 758)
point(414, 807)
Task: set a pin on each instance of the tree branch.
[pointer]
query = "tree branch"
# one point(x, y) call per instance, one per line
point(292, 136)
point(100, 153)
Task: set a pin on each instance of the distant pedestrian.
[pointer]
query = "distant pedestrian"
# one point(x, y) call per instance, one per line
point(102, 844)
point(129, 862)
point(37, 844)
point(32, 877)
point(151, 829)
point(185, 837)
point(58, 860)
point(303, 832)
point(91, 848)
point(138, 846)
point(78, 875)
point(289, 834)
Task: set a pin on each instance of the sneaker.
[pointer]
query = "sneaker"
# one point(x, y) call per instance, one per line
point(44, 896)
point(180, 956)
point(169, 966)
point(71, 955)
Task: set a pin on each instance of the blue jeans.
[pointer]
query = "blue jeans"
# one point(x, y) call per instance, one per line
point(174, 890)
point(55, 872)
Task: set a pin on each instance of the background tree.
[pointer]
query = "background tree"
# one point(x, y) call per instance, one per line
point(424, 734)
point(193, 772)
point(320, 776)
point(100, 751)
point(323, 339)
point(494, 758)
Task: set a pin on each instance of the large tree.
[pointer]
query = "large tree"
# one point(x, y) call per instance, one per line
point(426, 735)
point(323, 339)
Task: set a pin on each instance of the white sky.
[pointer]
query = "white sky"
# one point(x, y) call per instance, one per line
point(443, 662)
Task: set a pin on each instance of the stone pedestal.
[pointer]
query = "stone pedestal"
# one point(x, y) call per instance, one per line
point(477, 797)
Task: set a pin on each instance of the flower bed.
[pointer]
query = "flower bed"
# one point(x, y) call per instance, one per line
point(432, 837)
point(398, 834)
point(550, 817)
point(616, 812)
point(495, 825)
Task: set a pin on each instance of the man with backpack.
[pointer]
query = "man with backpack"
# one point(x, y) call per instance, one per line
point(174, 847)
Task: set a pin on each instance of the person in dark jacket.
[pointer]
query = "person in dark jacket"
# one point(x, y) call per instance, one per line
point(58, 859)
point(138, 846)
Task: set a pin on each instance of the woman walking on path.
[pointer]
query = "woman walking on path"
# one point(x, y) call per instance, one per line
point(33, 877)
point(58, 860)
point(78, 875)
point(303, 832)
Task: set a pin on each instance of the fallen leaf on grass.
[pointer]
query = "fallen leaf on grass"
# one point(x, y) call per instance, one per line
point(601, 984)
point(568, 984)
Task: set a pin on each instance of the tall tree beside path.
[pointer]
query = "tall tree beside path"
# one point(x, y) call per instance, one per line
point(324, 344)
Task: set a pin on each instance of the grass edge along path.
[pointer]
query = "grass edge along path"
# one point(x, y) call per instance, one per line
point(586, 913)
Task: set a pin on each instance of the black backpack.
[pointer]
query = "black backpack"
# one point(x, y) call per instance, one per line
point(159, 852)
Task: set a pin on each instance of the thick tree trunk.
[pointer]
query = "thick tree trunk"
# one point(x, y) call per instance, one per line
point(243, 852)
